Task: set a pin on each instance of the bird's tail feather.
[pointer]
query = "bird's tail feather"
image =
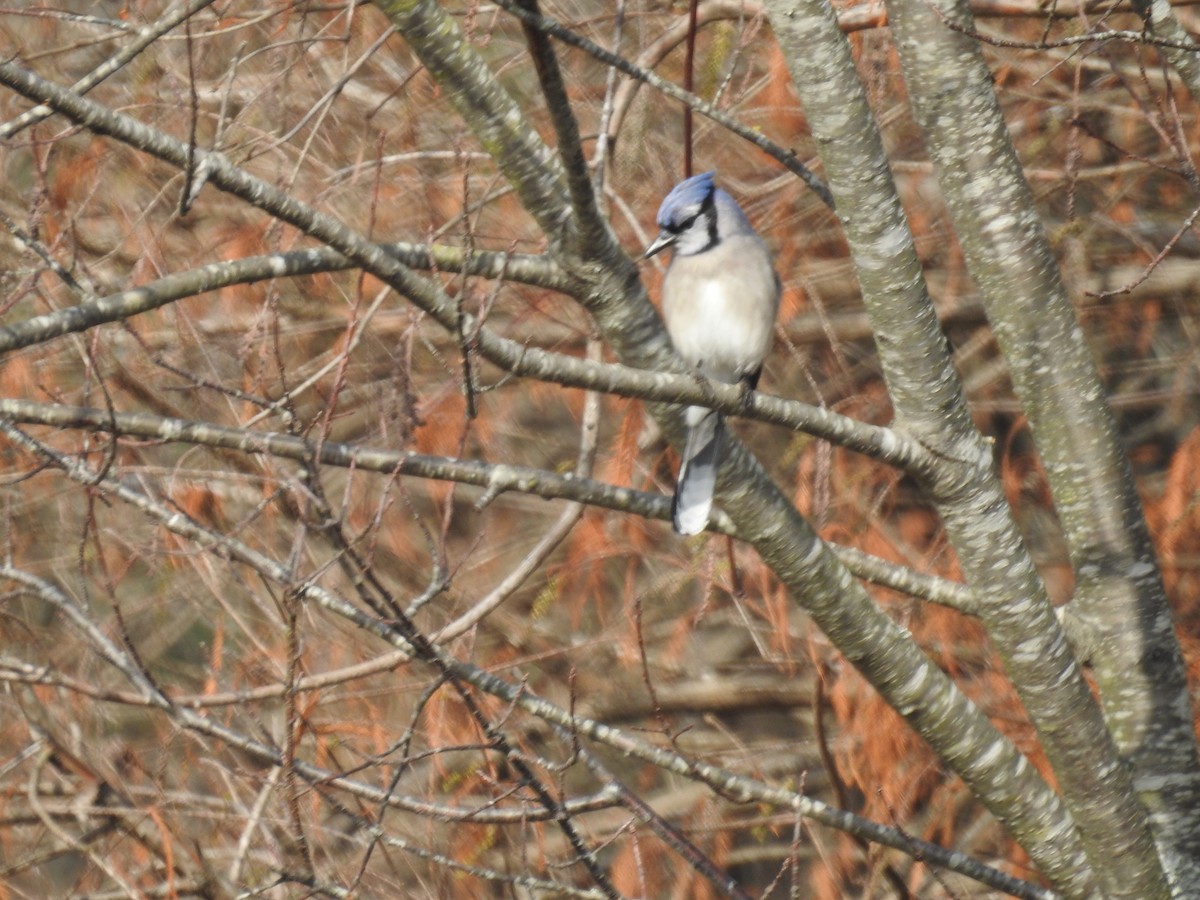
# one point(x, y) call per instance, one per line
point(698, 474)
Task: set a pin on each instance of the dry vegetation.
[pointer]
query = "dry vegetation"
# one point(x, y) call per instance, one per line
point(385, 782)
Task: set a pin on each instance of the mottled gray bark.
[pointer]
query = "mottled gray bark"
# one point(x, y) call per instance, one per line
point(1119, 592)
point(1160, 21)
point(930, 406)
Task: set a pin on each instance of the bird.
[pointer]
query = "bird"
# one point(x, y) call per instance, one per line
point(720, 297)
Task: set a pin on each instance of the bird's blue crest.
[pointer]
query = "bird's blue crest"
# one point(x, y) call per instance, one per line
point(689, 193)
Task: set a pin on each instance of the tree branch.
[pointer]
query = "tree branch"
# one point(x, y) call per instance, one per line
point(538, 271)
point(930, 406)
point(495, 478)
point(1118, 589)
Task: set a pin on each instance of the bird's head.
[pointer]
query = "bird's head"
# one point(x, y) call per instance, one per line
point(687, 218)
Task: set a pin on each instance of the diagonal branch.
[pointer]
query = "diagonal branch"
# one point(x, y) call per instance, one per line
point(538, 271)
point(593, 230)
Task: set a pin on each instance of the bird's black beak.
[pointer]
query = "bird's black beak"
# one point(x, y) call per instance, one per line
point(664, 240)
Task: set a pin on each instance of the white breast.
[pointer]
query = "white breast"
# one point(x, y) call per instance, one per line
point(720, 307)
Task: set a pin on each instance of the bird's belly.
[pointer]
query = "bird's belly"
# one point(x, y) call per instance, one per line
point(715, 333)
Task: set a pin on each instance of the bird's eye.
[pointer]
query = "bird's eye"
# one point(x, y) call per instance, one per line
point(680, 227)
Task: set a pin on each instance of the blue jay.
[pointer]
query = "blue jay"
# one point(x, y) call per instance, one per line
point(720, 297)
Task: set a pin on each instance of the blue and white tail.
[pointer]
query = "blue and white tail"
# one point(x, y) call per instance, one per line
point(698, 471)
